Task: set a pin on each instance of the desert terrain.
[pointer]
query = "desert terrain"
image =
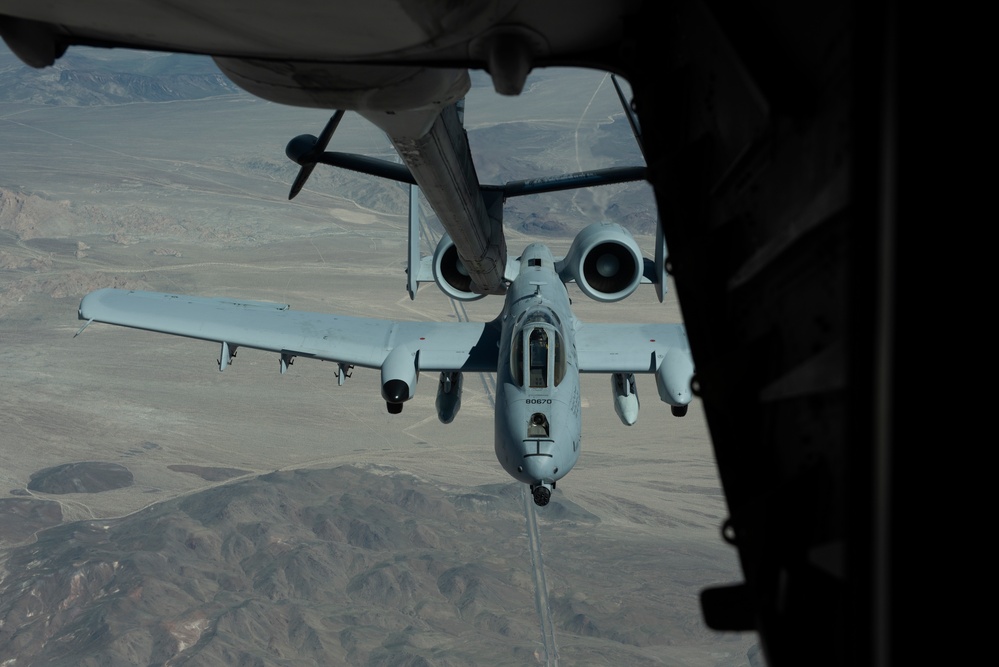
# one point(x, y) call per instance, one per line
point(156, 511)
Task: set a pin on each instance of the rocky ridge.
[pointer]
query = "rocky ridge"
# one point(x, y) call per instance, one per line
point(356, 565)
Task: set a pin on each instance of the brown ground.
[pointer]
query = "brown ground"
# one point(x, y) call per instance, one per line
point(179, 198)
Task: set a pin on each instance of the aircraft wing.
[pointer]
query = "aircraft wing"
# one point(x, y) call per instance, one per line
point(628, 348)
point(662, 349)
point(367, 342)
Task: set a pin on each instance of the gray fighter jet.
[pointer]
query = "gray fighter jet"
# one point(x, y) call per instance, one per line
point(536, 346)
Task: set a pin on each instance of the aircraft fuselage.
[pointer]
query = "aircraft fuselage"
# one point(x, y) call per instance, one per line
point(538, 410)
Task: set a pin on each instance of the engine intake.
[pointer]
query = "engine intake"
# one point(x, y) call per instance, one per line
point(450, 274)
point(605, 262)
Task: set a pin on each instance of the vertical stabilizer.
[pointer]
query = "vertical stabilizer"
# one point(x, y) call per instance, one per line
point(413, 266)
point(660, 263)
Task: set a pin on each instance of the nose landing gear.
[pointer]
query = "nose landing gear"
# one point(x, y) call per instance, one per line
point(542, 493)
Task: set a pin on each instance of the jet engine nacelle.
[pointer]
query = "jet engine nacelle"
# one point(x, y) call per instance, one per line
point(450, 273)
point(605, 262)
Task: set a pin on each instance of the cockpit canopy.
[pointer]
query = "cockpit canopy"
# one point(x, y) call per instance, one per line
point(538, 351)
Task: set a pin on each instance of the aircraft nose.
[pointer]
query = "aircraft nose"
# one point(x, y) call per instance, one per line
point(540, 468)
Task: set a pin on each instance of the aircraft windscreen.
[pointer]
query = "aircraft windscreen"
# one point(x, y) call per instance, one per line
point(539, 359)
point(545, 356)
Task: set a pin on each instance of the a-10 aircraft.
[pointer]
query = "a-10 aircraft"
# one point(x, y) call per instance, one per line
point(775, 140)
point(536, 346)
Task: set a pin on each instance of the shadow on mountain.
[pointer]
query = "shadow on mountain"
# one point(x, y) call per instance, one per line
point(83, 477)
point(343, 566)
point(20, 518)
point(349, 566)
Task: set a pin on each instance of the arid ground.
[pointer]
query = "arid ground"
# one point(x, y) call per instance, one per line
point(156, 511)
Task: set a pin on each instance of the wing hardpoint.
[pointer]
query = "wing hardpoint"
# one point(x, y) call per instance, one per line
point(442, 346)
